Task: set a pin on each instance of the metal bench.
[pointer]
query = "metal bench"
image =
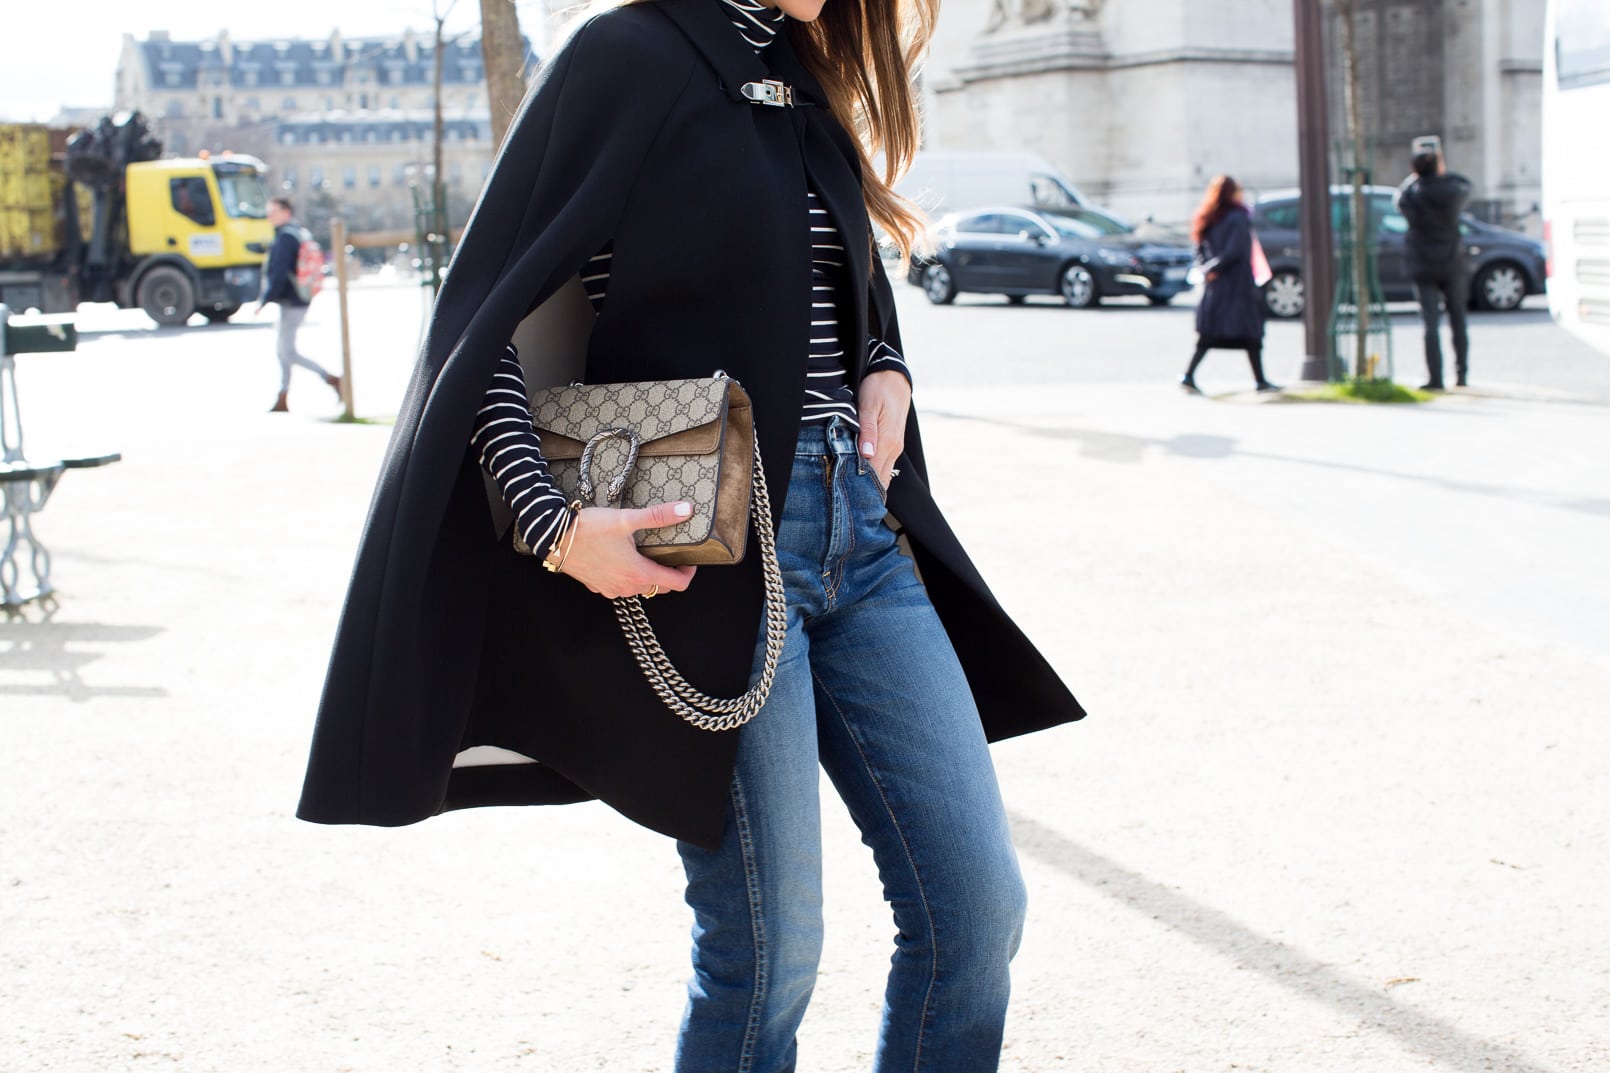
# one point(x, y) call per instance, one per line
point(26, 484)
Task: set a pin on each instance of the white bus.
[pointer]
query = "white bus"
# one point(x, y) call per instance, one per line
point(1576, 166)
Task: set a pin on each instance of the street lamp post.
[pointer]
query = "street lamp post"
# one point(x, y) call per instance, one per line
point(1314, 178)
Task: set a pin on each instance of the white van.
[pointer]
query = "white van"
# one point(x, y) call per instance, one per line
point(944, 181)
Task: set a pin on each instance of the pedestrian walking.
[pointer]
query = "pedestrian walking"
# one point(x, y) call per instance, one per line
point(279, 287)
point(1230, 314)
point(1431, 199)
point(718, 208)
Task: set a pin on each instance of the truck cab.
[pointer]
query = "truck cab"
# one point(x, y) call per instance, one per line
point(197, 233)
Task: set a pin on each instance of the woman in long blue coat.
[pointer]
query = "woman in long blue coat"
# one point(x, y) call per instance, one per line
point(1230, 315)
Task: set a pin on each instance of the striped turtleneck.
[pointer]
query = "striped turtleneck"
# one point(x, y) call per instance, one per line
point(508, 446)
point(757, 23)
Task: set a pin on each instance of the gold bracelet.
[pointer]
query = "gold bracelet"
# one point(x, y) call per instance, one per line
point(567, 537)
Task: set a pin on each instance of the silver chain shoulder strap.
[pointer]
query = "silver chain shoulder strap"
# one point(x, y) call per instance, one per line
point(703, 711)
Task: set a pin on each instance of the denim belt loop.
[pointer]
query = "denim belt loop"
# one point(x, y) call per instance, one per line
point(836, 438)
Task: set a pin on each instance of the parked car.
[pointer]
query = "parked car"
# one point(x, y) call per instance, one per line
point(1077, 252)
point(1504, 266)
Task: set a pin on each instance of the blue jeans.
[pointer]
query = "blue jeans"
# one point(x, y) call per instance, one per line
point(869, 688)
point(290, 322)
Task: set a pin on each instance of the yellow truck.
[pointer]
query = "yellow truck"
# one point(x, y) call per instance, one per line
point(97, 216)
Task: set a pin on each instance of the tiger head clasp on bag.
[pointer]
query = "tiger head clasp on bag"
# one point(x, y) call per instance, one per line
point(584, 481)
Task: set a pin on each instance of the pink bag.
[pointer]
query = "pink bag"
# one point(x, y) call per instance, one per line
point(1261, 272)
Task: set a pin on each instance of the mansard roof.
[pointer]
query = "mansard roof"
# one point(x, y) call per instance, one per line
point(295, 63)
point(382, 126)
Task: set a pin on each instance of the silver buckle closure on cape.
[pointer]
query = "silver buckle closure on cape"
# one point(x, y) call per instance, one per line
point(770, 91)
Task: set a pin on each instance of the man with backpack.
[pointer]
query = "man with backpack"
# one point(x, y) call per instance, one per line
point(291, 279)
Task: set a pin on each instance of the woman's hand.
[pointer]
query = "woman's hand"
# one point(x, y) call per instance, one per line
point(884, 401)
point(604, 557)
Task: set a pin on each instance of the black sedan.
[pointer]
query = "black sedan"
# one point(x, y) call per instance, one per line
point(1504, 266)
point(1079, 253)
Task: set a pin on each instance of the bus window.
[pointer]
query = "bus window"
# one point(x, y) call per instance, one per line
point(1581, 43)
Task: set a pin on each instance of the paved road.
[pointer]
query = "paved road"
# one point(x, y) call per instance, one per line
point(1129, 341)
point(1339, 807)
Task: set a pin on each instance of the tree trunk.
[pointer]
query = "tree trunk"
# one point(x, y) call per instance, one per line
point(438, 183)
point(503, 56)
point(440, 176)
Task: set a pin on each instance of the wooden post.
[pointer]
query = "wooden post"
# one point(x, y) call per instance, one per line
point(338, 240)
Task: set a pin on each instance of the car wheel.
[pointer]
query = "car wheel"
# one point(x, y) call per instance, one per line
point(1078, 287)
point(937, 285)
point(1159, 299)
point(167, 296)
point(219, 316)
point(1283, 295)
point(1499, 286)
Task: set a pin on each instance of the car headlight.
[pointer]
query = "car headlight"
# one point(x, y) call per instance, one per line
point(1118, 258)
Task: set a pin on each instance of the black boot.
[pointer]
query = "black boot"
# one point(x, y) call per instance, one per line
point(1188, 381)
point(1433, 374)
point(1255, 358)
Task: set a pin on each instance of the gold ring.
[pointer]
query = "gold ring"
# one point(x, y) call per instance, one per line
point(650, 594)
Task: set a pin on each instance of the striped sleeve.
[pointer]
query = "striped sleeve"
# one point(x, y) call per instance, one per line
point(883, 358)
point(510, 450)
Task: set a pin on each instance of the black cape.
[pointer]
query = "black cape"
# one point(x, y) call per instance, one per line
point(637, 133)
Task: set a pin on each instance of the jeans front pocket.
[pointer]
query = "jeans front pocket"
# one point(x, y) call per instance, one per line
point(877, 482)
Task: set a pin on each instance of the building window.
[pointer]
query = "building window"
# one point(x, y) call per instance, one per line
point(349, 177)
point(396, 102)
point(287, 137)
point(363, 101)
point(289, 104)
point(316, 179)
point(374, 174)
point(455, 172)
point(175, 110)
point(399, 175)
point(323, 76)
point(288, 76)
point(253, 106)
point(191, 199)
point(290, 179)
point(172, 77)
point(217, 107)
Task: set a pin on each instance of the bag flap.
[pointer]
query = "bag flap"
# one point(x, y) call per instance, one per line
point(671, 416)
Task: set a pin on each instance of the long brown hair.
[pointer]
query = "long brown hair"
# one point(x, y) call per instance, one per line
point(865, 54)
point(1223, 194)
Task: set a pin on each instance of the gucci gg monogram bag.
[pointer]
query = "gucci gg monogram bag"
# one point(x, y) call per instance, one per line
point(659, 441)
point(656, 441)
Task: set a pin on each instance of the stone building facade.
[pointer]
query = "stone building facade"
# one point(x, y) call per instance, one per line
point(1141, 102)
point(347, 124)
